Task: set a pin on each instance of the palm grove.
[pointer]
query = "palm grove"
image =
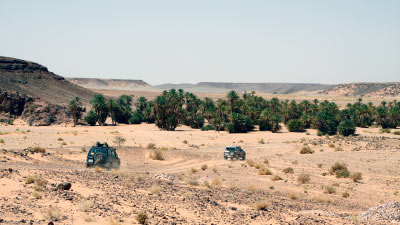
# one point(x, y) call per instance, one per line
point(237, 114)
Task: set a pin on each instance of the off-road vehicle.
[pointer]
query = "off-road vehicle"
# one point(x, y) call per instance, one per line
point(102, 155)
point(234, 152)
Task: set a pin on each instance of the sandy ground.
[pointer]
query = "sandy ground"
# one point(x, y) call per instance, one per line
point(224, 193)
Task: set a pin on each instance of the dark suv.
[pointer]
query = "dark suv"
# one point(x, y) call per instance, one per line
point(234, 152)
point(102, 155)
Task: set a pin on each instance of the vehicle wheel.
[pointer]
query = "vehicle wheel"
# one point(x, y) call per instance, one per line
point(244, 157)
point(225, 157)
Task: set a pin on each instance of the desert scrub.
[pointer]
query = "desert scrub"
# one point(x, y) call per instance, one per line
point(37, 194)
point(276, 178)
point(155, 189)
point(329, 190)
point(215, 170)
point(204, 167)
point(141, 217)
point(264, 171)
point(185, 142)
point(251, 188)
point(322, 199)
point(339, 149)
point(193, 182)
point(60, 139)
point(339, 169)
point(52, 213)
point(193, 170)
point(156, 155)
point(386, 130)
point(98, 169)
point(306, 150)
point(345, 194)
point(119, 140)
point(250, 162)
point(356, 176)
point(259, 165)
point(217, 182)
point(39, 149)
point(293, 196)
point(84, 205)
point(397, 132)
point(262, 205)
point(261, 141)
point(303, 178)
point(288, 170)
point(39, 181)
point(151, 146)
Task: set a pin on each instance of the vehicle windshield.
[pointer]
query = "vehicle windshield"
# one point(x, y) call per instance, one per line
point(230, 148)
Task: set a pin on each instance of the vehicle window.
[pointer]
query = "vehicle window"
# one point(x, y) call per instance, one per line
point(230, 149)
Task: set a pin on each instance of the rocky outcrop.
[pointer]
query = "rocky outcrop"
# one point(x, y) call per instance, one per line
point(110, 84)
point(35, 80)
point(34, 111)
point(364, 89)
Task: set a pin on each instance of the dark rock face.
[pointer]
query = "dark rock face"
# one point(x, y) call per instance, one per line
point(12, 103)
point(34, 111)
point(16, 65)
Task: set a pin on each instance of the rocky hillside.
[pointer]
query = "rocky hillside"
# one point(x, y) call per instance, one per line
point(365, 89)
point(110, 84)
point(37, 81)
point(278, 88)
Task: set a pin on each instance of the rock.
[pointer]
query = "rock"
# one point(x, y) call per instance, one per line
point(64, 186)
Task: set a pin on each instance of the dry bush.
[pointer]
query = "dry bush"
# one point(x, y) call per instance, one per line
point(329, 190)
point(30, 179)
point(193, 182)
point(52, 213)
point(345, 194)
point(84, 205)
point(88, 218)
point(262, 205)
point(264, 171)
point(276, 178)
point(217, 182)
point(356, 176)
point(397, 132)
point(319, 165)
point(215, 170)
point(151, 146)
point(155, 189)
point(39, 181)
point(322, 199)
point(185, 141)
point(295, 162)
point(251, 188)
point(339, 149)
point(303, 178)
point(204, 167)
point(288, 170)
point(259, 165)
point(37, 194)
point(60, 139)
point(261, 141)
point(141, 217)
point(340, 170)
point(193, 170)
point(114, 222)
point(2, 141)
point(306, 150)
point(39, 149)
point(331, 145)
point(128, 184)
point(156, 155)
point(98, 169)
point(250, 162)
point(293, 196)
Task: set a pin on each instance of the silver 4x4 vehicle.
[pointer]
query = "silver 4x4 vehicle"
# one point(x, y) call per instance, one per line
point(234, 152)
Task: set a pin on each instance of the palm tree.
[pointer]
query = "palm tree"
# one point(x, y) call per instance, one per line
point(232, 97)
point(100, 107)
point(75, 107)
point(113, 109)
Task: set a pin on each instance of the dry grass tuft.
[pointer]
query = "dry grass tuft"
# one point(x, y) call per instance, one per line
point(251, 188)
point(345, 194)
point(155, 189)
point(322, 199)
point(151, 146)
point(293, 196)
point(217, 182)
point(329, 190)
point(276, 178)
point(340, 170)
point(264, 171)
point(356, 176)
point(141, 217)
point(84, 205)
point(288, 170)
point(52, 213)
point(193, 170)
point(156, 155)
point(303, 178)
point(37, 194)
point(204, 167)
point(262, 205)
point(306, 150)
point(98, 169)
point(39, 149)
point(250, 162)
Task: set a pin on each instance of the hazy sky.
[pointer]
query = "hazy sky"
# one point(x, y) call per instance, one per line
point(316, 41)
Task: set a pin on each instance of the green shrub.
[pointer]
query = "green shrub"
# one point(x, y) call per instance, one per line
point(340, 170)
point(346, 128)
point(136, 118)
point(207, 127)
point(91, 118)
point(295, 125)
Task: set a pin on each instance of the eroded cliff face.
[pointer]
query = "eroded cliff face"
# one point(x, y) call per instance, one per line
point(34, 112)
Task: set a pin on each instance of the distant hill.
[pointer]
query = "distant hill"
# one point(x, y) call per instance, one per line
point(36, 81)
point(365, 89)
point(110, 84)
point(278, 88)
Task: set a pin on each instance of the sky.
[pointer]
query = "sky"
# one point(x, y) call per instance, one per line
point(187, 41)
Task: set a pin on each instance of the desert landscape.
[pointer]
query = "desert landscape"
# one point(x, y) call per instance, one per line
point(181, 176)
point(200, 112)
